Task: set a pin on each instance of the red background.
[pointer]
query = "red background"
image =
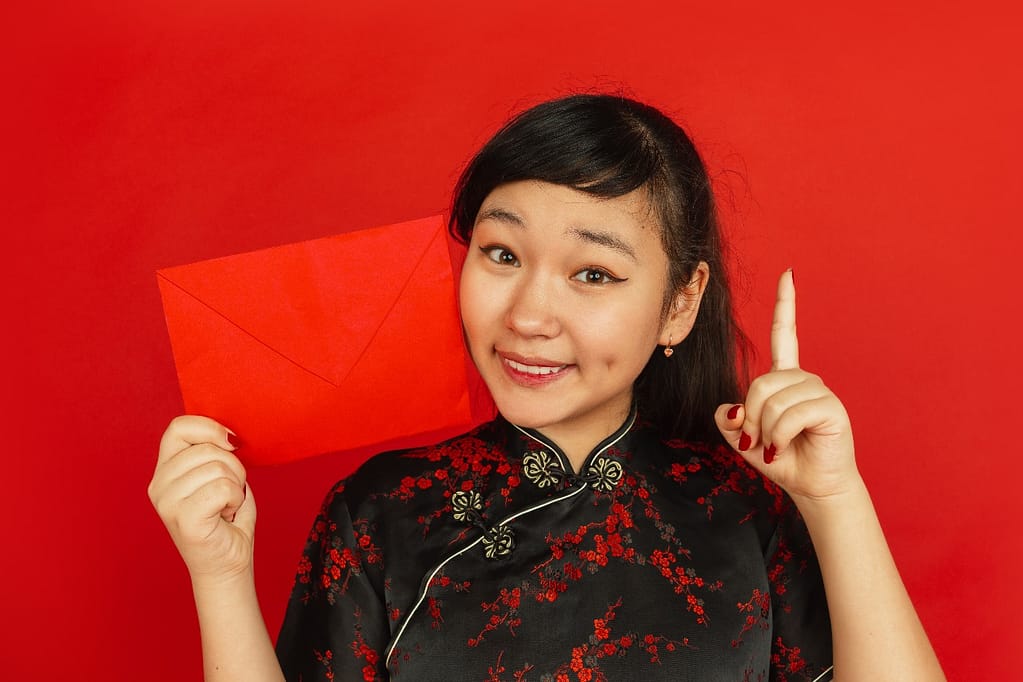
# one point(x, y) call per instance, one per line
point(874, 149)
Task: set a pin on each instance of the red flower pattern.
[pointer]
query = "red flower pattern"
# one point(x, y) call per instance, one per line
point(356, 549)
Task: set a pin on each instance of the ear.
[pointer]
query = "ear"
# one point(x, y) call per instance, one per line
point(682, 314)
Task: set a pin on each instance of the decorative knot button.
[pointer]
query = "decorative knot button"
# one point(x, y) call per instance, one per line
point(498, 542)
point(604, 474)
point(539, 468)
point(466, 504)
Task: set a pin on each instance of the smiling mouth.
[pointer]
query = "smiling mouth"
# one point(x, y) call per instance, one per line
point(536, 370)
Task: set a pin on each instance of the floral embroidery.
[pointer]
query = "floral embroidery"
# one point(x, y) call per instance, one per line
point(362, 651)
point(538, 468)
point(620, 579)
point(786, 660)
point(758, 612)
point(504, 613)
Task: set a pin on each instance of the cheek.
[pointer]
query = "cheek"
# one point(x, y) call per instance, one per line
point(465, 301)
point(472, 305)
point(619, 335)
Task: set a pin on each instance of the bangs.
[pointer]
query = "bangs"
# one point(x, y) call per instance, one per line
point(583, 142)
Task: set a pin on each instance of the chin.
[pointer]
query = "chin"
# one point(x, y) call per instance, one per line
point(530, 414)
point(530, 418)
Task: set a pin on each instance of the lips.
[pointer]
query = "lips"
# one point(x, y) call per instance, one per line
point(531, 370)
point(537, 370)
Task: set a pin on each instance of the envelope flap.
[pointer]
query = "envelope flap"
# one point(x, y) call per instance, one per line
point(324, 316)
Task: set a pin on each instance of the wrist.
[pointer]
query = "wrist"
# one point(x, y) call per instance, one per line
point(222, 582)
point(840, 499)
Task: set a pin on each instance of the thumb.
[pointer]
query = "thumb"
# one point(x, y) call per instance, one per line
point(245, 514)
point(729, 418)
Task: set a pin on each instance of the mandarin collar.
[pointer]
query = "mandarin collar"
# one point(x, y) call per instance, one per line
point(599, 452)
point(547, 468)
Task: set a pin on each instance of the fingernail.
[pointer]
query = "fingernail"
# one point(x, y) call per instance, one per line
point(234, 440)
point(745, 441)
point(733, 412)
point(792, 274)
point(769, 452)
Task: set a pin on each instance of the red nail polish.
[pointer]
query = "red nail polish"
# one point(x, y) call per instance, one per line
point(745, 441)
point(769, 452)
point(733, 412)
point(234, 440)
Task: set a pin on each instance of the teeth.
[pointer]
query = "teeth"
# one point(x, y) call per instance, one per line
point(533, 369)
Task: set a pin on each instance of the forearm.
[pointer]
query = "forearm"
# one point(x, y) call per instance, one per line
point(235, 643)
point(877, 634)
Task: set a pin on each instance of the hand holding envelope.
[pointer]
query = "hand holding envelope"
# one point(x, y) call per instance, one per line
point(331, 344)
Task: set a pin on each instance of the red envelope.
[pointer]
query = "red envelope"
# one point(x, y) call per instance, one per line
point(331, 344)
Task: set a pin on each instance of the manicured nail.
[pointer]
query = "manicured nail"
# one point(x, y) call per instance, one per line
point(733, 412)
point(234, 440)
point(745, 441)
point(769, 452)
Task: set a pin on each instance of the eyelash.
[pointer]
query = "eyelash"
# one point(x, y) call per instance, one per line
point(496, 254)
point(605, 276)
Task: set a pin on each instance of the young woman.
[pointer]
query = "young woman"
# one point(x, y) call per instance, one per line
point(631, 514)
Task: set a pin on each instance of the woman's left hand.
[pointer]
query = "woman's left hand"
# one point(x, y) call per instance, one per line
point(792, 428)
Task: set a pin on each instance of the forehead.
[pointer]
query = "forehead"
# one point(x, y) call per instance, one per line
point(542, 205)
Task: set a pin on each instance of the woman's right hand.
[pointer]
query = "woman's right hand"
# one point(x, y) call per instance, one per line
point(200, 493)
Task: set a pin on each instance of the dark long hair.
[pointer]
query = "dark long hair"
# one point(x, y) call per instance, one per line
point(608, 146)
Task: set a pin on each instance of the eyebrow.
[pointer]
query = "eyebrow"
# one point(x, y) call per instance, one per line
point(605, 239)
point(501, 215)
point(598, 237)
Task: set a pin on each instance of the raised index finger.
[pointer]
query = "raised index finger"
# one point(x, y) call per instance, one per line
point(784, 344)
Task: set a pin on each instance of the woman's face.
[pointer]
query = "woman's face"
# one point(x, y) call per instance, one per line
point(561, 298)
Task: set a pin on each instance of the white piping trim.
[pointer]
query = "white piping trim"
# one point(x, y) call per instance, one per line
point(541, 505)
point(422, 596)
point(426, 588)
point(527, 510)
point(821, 676)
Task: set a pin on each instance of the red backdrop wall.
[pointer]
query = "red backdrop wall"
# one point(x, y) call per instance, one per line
point(874, 149)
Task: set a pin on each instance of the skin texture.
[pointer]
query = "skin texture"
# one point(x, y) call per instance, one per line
point(560, 280)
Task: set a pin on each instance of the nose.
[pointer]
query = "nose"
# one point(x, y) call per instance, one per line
point(533, 308)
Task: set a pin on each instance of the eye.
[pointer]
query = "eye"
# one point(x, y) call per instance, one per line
point(596, 276)
point(500, 255)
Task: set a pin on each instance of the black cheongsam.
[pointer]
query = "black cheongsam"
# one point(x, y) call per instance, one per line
point(488, 558)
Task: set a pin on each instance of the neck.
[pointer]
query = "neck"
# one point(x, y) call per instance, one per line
point(577, 443)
